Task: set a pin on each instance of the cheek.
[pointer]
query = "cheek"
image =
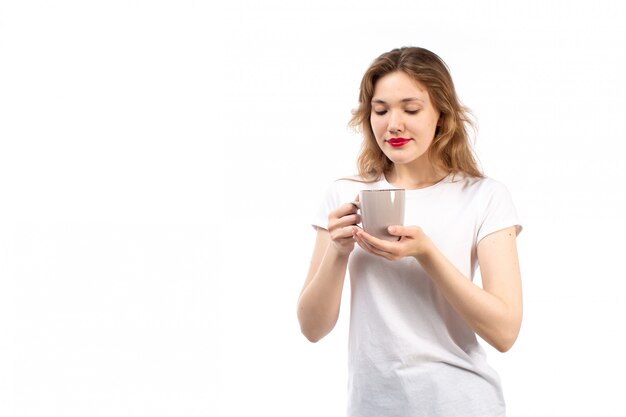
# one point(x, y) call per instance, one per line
point(378, 128)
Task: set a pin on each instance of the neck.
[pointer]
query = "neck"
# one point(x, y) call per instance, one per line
point(413, 177)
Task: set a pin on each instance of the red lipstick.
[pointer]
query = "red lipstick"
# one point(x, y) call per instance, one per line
point(398, 142)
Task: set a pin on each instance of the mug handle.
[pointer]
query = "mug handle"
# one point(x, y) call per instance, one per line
point(357, 204)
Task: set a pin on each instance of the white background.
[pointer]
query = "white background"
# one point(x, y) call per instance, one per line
point(161, 161)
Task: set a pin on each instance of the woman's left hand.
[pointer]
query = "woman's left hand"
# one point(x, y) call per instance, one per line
point(413, 242)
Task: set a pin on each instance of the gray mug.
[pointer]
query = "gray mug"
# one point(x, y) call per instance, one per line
point(381, 209)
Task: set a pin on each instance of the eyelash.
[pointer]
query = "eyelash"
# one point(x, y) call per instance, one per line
point(381, 113)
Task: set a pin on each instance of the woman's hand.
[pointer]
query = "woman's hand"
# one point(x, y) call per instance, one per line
point(494, 312)
point(341, 225)
point(413, 242)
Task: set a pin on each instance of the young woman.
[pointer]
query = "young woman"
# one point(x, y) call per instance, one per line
point(415, 311)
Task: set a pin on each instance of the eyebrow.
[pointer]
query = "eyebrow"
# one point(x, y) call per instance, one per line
point(404, 100)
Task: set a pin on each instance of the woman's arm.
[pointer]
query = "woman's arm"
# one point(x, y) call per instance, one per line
point(494, 312)
point(320, 298)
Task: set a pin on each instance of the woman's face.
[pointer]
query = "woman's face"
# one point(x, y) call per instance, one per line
point(403, 118)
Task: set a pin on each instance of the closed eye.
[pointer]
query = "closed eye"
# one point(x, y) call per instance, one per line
point(382, 112)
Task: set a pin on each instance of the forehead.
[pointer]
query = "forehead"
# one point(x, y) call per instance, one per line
point(398, 86)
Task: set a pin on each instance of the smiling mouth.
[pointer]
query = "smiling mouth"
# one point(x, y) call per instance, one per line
point(397, 142)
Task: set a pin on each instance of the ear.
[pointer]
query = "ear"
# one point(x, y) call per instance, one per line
point(439, 124)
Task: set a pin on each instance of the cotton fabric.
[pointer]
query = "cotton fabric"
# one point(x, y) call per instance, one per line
point(410, 353)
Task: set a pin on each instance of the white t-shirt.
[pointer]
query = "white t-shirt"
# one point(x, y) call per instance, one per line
point(410, 353)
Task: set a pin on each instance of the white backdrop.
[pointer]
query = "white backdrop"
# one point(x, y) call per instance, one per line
point(161, 161)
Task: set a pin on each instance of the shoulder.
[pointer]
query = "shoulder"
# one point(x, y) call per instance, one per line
point(344, 189)
point(478, 185)
point(480, 193)
point(350, 183)
point(490, 197)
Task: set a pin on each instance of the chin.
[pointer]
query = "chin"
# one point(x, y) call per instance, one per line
point(404, 161)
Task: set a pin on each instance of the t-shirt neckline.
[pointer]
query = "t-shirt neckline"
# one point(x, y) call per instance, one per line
point(439, 183)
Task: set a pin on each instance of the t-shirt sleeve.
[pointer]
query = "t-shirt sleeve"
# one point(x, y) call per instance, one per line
point(499, 212)
point(329, 203)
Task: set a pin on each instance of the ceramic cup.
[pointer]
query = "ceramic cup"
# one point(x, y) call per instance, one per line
point(379, 210)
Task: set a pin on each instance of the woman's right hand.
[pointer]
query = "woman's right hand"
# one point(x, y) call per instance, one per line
point(341, 223)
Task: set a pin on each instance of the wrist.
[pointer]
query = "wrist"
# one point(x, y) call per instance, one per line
point(426, 251)
point(338, 253)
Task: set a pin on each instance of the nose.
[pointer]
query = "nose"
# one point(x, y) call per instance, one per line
point(395, 124)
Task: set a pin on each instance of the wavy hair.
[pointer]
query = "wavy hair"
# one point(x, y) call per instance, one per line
point(451, 149)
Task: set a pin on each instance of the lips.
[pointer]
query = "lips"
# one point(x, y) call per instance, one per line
point(397, 142)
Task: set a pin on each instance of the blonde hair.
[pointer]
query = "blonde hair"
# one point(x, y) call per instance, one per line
point(450, 149)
